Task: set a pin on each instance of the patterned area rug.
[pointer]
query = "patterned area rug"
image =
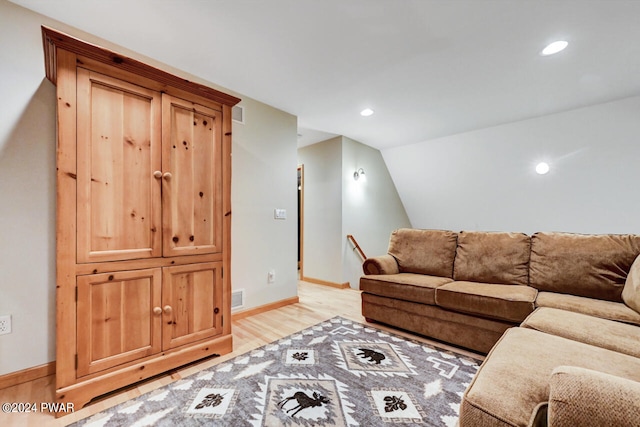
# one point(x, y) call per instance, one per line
point(336, 373)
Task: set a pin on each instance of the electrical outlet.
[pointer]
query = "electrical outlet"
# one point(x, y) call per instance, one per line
point(5, 325)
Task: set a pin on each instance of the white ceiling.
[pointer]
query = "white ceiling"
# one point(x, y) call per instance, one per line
point(429, 68)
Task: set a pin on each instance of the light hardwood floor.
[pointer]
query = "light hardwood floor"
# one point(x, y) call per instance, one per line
point(317, 303)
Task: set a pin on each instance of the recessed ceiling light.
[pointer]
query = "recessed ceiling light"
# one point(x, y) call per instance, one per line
point(366, 112)
point(554, 48)
point(542, 168)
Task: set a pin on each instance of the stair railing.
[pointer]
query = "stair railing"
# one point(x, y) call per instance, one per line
point(356, 246)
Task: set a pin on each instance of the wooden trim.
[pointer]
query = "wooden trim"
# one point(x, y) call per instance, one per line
point(344, 285)
point(227, 162)
point(263, 308)
point(50, 58)
point(53, 39)
point(137, 264)
point(66, 208)
point(26, 375)
point(301, 222)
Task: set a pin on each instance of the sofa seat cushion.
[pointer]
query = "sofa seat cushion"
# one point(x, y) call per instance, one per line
point(594, 266)
point(428, 252)
point(593, 307)
point(609, 334)
point(514, 378)
point(512, 303)
point(492, 257)
point(405, 286)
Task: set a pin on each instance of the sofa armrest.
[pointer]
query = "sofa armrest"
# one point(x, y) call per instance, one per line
point(583, 397)
point(383, 264)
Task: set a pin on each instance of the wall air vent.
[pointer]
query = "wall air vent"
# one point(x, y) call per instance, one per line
point(237, 114)
point(237, 299)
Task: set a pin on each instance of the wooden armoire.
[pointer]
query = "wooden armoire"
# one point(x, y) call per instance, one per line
point(143, 219)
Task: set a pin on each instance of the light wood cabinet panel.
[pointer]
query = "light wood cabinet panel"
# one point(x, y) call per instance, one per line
point(192, 302)
point(192, 180)
point(118, 148)
point(116, 319)
point(143, 235)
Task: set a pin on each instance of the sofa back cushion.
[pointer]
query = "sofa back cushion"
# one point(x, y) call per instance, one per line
point(424, 251)
point(631, 291)
point(492, 257)
point(594, 266)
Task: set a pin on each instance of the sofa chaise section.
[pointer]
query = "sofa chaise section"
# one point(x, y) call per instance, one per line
point(576, 359)
point(512, 387)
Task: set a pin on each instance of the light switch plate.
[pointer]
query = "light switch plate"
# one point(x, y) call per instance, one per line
point(280, 213)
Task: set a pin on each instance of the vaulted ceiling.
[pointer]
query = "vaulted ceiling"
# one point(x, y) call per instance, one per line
point(428, 68)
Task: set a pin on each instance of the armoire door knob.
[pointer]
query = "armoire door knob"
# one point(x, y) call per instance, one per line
point(157, 174)
point(157, 311)
point(167, 176)
point(167, 309)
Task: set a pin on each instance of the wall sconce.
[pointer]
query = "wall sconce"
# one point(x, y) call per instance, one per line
point(356, 174)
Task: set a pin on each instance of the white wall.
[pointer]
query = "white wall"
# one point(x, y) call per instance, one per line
point(264, 174)
point(371, 207)
point(336, 205)
point(485, 179)
point(27, 193)
point(322, 163)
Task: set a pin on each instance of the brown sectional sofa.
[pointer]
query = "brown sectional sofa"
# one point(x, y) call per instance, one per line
point(558, 313)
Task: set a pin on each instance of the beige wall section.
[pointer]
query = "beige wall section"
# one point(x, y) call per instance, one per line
point(264, 176)
point(336, 205)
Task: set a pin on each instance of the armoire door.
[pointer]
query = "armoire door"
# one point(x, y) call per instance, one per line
point(119, 149)
point(192, 178)
point(192, 303)
point(118, 318)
